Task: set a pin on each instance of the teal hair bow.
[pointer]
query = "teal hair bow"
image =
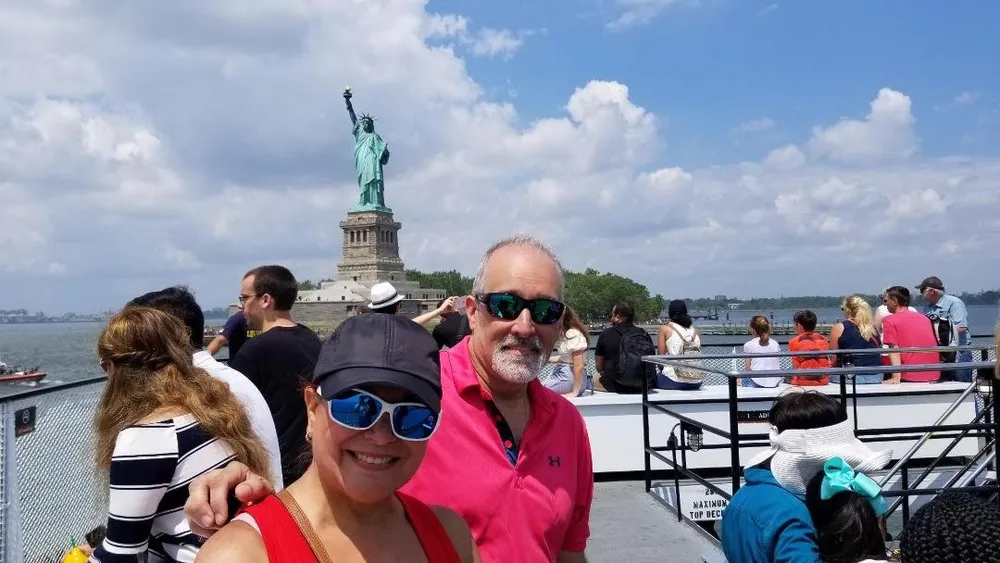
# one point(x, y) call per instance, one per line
point(840, 477)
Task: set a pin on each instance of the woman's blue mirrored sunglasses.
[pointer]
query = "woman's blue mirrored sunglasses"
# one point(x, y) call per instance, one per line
point(360, 410)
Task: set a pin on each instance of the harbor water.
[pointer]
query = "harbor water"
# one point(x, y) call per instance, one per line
point(66, 351)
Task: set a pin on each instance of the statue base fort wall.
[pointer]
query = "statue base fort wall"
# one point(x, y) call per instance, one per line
point(323, 314)
point(370, 254)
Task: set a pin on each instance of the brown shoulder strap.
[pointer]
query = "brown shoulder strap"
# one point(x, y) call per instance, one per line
point(305, 527)
point(677, 331)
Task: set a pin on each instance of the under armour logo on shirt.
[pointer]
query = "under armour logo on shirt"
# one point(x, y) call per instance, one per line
point(554, 461)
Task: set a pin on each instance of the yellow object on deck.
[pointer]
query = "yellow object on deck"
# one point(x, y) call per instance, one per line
point(75, 555)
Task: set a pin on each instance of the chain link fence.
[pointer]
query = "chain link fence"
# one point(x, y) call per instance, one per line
point(58, 494)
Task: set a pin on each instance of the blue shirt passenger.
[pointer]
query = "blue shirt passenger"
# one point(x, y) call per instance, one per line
point(767, 523)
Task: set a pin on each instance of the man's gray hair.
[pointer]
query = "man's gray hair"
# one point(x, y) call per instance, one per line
point(524, 241)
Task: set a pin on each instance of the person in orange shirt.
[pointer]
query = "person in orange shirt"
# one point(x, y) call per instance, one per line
point(806, 339)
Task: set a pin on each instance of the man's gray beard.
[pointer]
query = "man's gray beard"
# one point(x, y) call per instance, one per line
point(515, 368)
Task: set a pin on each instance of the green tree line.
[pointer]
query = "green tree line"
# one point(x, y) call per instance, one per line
point(309, 285)
point(591, 294)
point(452, 281)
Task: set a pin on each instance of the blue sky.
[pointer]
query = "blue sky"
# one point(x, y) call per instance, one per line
point(698, 146)
point(707, 66)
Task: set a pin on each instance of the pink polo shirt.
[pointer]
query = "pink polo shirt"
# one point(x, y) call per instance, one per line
point(526, 513)
point(906, 329)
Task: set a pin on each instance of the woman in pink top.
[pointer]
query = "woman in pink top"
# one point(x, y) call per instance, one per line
point(906, 329)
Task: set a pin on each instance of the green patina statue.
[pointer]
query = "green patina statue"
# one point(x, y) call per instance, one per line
point(371, 153)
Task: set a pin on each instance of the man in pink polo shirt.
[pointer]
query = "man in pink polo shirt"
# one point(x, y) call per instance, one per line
point(907, 329)
point(512, 457)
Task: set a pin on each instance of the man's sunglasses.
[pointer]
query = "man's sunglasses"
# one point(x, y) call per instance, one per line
point(360, 410)
point(507, 306)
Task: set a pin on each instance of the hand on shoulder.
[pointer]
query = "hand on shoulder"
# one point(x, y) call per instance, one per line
point(236, 541)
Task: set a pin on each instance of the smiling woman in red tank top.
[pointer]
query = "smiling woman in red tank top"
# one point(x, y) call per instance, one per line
point(374, 401)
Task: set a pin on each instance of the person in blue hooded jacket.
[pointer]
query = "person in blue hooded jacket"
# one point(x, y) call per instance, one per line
point(767, 520)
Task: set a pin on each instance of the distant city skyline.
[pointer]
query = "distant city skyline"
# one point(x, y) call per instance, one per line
point(221, 311)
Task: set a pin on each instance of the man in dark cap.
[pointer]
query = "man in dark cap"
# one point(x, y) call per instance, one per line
point(950, 309)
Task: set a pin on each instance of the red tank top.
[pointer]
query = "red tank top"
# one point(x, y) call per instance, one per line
point(285, 543)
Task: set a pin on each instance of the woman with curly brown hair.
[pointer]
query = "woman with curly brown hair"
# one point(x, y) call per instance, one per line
point(161, 422)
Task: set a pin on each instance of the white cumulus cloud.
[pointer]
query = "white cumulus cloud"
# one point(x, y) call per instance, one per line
point(497, 42)
point(165, 143)
point(788, 157)
point(887, 132)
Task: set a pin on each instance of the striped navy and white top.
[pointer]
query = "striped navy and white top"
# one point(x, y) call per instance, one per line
point(151, 468)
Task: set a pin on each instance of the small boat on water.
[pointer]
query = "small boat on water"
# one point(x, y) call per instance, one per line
point(16, 374)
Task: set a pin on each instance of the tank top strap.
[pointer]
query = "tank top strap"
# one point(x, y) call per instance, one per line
point(431, 533)
point(282, 538)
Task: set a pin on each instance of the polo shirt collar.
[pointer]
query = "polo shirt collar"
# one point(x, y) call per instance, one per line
point(467, 382)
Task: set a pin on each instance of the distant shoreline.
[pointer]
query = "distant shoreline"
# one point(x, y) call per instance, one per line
point(54, 321)
point(220, 321)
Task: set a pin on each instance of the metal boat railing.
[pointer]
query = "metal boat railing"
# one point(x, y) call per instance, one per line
point(927, 435)
point(986, 424)
point(51, 492)
point(903, 467)
point(719, 354)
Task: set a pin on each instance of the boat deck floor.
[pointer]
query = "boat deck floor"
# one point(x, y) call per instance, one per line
point(628, 524)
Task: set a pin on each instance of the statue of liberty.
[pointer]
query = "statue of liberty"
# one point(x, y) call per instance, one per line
point(371, 153)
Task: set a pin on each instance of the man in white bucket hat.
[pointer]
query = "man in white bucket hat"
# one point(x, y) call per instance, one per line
point(767, 519)
point(386, 300)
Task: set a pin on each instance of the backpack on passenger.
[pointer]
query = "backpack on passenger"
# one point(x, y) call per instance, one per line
point(630, 370)
point(945, 334)
point(689, 347)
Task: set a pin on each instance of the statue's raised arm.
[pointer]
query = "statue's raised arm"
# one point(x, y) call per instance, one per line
point(350, 107)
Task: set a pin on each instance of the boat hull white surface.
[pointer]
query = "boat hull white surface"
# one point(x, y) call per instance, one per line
point(614, 422)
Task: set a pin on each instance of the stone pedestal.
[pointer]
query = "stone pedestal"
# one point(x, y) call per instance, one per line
point(371, 250)
point(370, 255)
